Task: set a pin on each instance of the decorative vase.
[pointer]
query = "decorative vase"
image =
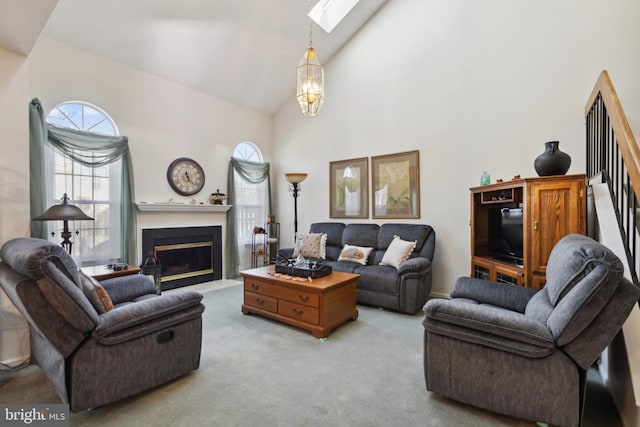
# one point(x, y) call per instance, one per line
point(299, 261)
point(485, 178)
point(552, 161)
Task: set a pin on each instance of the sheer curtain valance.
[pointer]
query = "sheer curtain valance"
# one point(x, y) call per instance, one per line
point(252, 172)
point(90, 150)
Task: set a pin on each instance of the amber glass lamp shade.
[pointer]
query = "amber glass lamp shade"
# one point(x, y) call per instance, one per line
point(295, 178)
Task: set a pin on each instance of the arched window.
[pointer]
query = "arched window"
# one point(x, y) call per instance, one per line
point(247, 151)
point(251, 202)
point(95, 190)
point(82, 116)
point(251, 199)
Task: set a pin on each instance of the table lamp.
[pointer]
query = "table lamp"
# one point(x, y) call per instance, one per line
point(64, 212)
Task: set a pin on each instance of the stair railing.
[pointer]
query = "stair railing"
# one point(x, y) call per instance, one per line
point(613, 153)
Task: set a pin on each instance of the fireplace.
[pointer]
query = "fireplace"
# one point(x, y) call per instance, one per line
point(187, 255)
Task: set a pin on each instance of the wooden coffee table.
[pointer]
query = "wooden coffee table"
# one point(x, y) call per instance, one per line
point(318, 306)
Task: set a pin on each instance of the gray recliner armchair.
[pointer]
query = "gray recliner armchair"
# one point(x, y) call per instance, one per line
point(99, 342)
point(523, 353)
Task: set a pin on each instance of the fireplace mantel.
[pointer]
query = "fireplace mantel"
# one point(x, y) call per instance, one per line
point(181, 207)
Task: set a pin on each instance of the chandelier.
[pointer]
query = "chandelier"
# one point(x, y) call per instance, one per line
point(310, 88)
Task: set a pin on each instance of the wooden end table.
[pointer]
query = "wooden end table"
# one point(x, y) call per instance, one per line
point(102, 272)
point(318, 306)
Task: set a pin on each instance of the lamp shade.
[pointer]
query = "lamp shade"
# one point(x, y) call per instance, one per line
point(63, 211)
point(295, 178)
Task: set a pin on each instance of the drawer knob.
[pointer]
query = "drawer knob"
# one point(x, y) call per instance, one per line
point(255, 287)
point(259, 301)
point(297, 312)
point(303, 298)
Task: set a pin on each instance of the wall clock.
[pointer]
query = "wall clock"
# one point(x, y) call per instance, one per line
point(185, 176)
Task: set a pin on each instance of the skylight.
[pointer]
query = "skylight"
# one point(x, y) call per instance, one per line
point(328, 13)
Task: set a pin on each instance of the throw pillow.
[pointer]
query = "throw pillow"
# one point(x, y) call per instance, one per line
point(355, 253)
point(398, 252)
point(98, 296)
point(314, 245)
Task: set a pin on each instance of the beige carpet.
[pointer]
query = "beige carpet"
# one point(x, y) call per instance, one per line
point(255, 371)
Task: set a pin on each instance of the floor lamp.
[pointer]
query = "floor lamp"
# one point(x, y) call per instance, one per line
point(294, 180)
point(64, 212)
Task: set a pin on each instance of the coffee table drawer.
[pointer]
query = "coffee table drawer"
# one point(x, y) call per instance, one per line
point(299, 312)
point(299, 297)
point(261, 301)
point(260, 287)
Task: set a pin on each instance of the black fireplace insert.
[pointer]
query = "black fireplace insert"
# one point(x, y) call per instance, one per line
point(187, 255)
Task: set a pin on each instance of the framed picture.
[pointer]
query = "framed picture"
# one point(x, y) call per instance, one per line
point(395, 181)
point(349, 189)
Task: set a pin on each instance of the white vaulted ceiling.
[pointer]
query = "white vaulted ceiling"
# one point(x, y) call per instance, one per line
point(21, 23)
point(244, 51)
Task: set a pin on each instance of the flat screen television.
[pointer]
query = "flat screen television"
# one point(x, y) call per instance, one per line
point(505, 234)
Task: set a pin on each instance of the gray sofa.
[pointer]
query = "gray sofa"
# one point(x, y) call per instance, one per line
point(523, 353)
point(405, 289)
point(95, 348)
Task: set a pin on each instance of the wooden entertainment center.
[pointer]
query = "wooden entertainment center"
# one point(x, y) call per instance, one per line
point(552, 207)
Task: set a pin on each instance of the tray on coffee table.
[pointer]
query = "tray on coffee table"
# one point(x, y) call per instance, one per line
point(313, 272)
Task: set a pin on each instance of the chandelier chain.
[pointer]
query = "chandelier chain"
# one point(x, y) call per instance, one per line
point(310, 26)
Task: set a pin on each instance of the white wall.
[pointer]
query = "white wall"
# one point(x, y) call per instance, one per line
point(14, 142)
point(163, 120)
point(14, 192)
point(474, 86)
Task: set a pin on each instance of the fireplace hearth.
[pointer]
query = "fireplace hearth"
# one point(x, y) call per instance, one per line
point(187, 255)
